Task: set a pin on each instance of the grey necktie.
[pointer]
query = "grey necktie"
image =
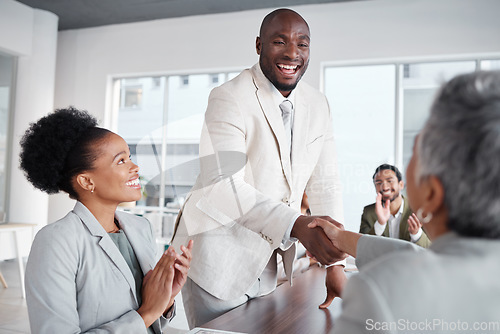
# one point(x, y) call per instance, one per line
point(286, 113)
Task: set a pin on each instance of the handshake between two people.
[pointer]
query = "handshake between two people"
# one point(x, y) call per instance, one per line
point(318, 234)
point(326, 240)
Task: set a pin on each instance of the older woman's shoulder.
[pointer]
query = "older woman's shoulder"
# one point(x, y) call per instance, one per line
point(401, 273)
point(421, 285)
point(399, 277)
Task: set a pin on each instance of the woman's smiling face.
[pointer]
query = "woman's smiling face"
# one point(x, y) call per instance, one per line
point(114, 175)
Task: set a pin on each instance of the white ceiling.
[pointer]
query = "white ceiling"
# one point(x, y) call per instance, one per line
point(75, 14)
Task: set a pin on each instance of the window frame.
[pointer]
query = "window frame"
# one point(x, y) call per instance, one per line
point(113, 103)
point(352, 186)
point(9, 136)
point(399, 65)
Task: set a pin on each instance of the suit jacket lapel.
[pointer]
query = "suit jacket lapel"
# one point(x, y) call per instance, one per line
point(404, 234)
point(143, 252)
point(300, 131)
point(386, 231)
point(274, 120)
point(107, 245)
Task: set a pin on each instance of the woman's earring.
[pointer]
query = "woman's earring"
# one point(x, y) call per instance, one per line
point(423, 219)
point(92, 191)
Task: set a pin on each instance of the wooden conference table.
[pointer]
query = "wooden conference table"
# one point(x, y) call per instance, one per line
point(289, 309)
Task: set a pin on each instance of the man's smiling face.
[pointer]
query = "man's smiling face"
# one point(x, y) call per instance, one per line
point(283, 47)
point(387, 184)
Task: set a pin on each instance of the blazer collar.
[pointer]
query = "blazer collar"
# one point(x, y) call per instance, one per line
point(406, 205)
point(142, 247)
point(300, 129)
point(105, 242)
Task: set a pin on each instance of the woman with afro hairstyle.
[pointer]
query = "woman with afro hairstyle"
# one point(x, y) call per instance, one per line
point(95, 270)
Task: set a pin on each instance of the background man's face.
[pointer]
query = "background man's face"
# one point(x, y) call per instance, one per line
point(284, 51)
point(386, 182)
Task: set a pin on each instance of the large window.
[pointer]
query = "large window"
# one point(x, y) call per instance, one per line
point(490, 64)
point(361, 139)
point(378, 109)
point(417, 90)
point(161, 118)
point(7, 67)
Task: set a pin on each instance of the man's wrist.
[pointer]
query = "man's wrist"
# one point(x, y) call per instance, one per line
point(338, 265)
point(379, 228)
point(382, 221)
point(296, 226)
point(288, 234)
point(416, 237)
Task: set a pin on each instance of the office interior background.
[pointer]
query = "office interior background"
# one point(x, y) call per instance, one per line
point(379, 62)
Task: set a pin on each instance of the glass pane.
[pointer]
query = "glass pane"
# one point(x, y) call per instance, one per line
point(132, 97)
point(418, 87)
point(6, 76)
point(147, 124)
point(362, 100)
point(186, 108)
point(490, 64)
point(140, 120)
point(232, 75)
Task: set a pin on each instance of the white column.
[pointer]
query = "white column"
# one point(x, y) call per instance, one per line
point(34, 99)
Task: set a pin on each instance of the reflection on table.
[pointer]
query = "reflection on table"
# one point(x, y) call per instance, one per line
point(287, 310)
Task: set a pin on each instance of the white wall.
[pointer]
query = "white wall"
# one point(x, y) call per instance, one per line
point(31, 35)
point(358, 30)
point(18, 18)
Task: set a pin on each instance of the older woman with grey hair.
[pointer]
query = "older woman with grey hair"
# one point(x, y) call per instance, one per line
point(453, 183)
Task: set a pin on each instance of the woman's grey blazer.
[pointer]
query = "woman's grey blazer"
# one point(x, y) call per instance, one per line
point(77, 281)
point(453, 287)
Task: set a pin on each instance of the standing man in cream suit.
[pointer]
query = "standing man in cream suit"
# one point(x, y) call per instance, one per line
point(266, 140)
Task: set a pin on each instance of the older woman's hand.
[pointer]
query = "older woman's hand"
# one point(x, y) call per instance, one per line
point(345, 241)
point(331, 230)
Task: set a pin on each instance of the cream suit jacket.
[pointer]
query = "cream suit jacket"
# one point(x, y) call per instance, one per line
point(77, 281)
point(248, 192)
point(402, 288)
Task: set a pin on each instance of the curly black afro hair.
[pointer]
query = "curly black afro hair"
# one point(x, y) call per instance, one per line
point(57, 147)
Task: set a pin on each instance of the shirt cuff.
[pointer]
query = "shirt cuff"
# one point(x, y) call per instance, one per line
point(170, 313)
point(338, 263)
point(416, 237)
point(287, 240)
point(379, 228)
